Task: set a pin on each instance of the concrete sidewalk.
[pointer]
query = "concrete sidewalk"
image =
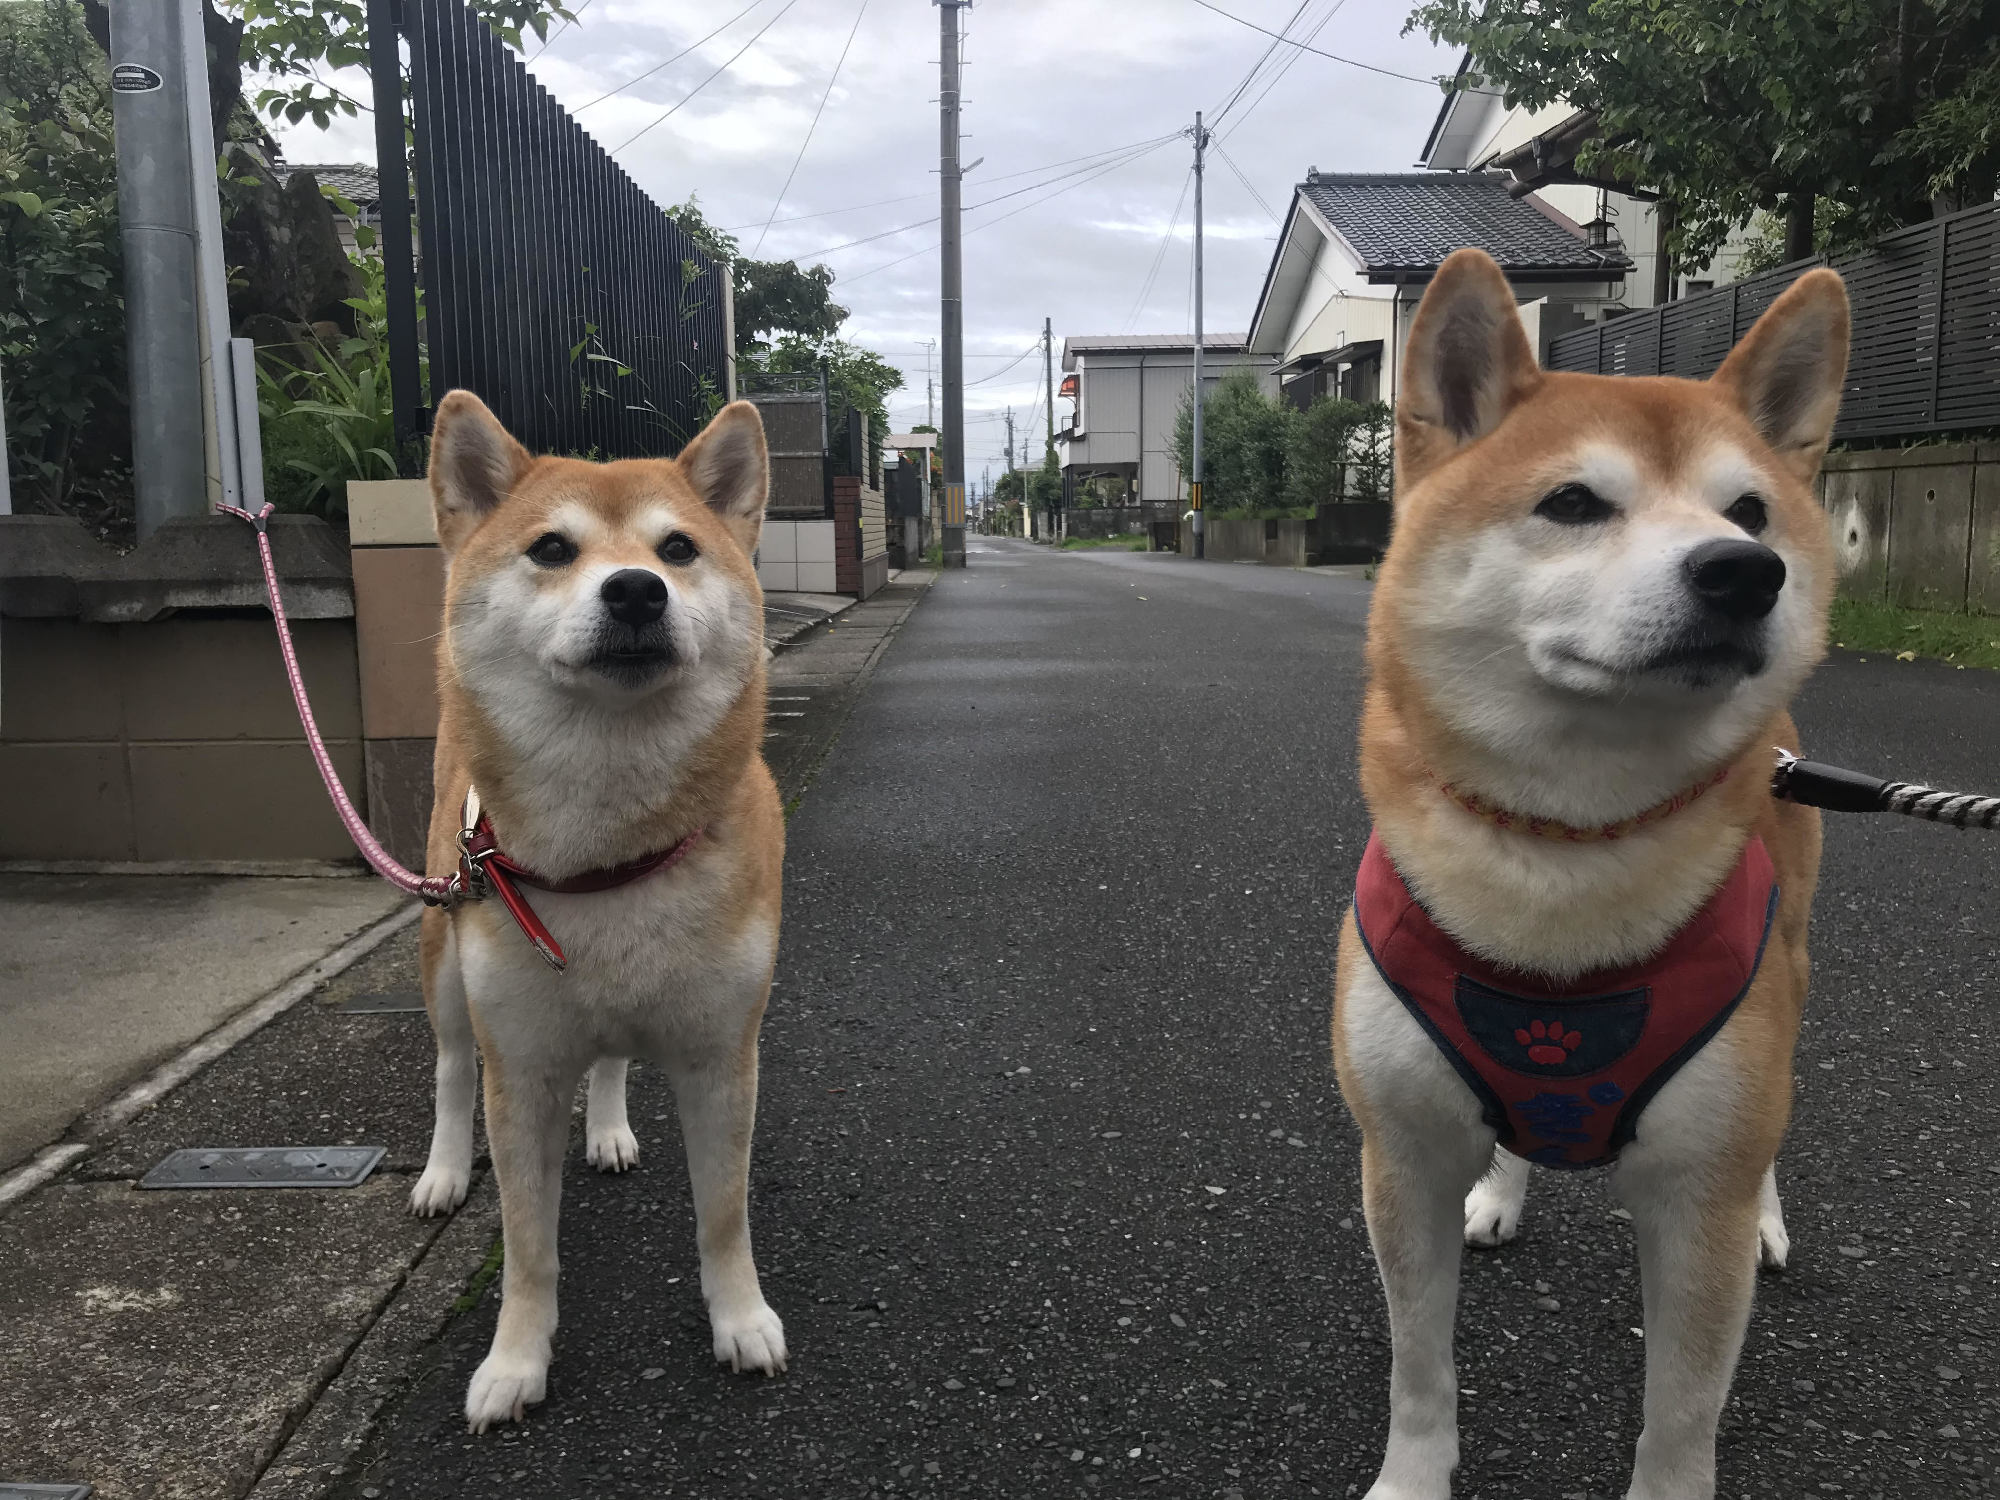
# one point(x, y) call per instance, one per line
point(194, 1345)
point(102, 977)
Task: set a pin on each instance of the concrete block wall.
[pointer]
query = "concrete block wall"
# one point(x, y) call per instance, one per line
point(797, 557)
point(1918, 527)
point(1282, 544)
point(173, 741)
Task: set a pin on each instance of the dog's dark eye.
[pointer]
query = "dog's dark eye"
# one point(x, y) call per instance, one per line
point(1748, 512)
point(679, 549)
point(1575, 505)
point(552, 550)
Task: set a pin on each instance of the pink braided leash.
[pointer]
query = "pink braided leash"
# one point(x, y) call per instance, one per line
point(435, 890)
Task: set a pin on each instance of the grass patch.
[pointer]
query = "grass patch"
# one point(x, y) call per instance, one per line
point(1119, 543)
point(481, 1279)
point(1963, 640)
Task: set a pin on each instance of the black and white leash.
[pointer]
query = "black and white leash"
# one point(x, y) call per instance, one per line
point(1812, 784)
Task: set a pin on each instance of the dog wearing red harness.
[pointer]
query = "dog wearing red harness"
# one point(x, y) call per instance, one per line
point(603, 803)
point(1579, 928)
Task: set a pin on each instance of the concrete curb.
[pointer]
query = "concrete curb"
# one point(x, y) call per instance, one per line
point(52, 1161)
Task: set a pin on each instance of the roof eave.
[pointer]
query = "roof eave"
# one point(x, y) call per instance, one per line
point(1606, 271)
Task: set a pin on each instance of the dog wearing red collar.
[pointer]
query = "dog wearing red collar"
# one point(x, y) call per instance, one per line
point(1579, 931)
point(600, 776)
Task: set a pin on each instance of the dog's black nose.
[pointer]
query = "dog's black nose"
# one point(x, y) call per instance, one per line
point(1737, 579)
point(635, 596)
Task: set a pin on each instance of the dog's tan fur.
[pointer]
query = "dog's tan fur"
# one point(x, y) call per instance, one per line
point(1482, 435)
point(579, 772)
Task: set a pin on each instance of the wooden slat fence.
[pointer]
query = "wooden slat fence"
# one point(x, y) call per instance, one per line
point(1926, 350)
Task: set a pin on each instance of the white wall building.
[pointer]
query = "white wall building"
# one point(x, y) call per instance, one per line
point(1126, 392)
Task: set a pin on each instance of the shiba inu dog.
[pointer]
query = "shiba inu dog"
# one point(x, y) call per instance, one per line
point(601, 674)
point(1580, 927)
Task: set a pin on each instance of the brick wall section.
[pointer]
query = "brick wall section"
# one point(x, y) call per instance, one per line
point(860, 537)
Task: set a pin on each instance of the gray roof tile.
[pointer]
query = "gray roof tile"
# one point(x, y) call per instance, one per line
point(1409, 222)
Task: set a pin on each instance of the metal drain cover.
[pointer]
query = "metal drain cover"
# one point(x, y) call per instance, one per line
point(44, 1491)
point(265, 1167)
point(382, 1003)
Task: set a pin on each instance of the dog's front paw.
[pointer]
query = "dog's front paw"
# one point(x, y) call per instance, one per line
point(439, 1190)
point(502, 1390)
point(753, 1339)
point(612, 1150)
point(1492, 1215)
point(1774, 1244)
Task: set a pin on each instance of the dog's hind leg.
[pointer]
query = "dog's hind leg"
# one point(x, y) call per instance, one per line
point(448, 1172)
point(609, 1144)
point(717, 1095)
point(1493, 1207)
point(528, 1103)
point(1774, 1242)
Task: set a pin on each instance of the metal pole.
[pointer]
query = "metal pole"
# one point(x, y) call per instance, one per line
point(951, 278)
point(156, 227)
point(399, 277)
point(1200, 143)
point(218, 386)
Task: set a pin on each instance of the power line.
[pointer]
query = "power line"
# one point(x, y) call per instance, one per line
point(1335, 56)
point(839, 63)
point(1278, 77)
point(1033, 348)
point(672, 60)
point(997, 218)
point(1159, 255)
point(549, 41)
point(1256, 67)
point(676, 109)
point(1092, 156)
point(1129, 157)
point(1229, 162)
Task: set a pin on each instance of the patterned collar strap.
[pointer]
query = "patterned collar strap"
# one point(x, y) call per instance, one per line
point(1551, 828)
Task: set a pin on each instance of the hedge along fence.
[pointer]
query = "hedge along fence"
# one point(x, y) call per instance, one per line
point(1261, 454)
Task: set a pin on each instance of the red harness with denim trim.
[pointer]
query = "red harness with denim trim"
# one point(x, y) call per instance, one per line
point(1564, 1071)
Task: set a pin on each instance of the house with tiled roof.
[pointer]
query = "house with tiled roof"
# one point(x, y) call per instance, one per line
point(1358, 249)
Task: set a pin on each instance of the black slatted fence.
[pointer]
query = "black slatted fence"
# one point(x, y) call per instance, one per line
point(553, 287)
point(1926, 346)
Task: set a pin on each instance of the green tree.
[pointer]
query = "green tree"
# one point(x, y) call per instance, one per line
point(773, 298)
point(1247, 444)
point(1729, 108)
point(289, 44)
point(62, 312)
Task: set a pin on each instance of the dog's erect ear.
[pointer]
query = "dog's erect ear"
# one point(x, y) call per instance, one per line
point(475, 464)
point(1466, 366)
point(1788, 372)
point(730, 468)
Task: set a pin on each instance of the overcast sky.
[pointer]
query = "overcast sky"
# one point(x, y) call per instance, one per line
point(1046, 81)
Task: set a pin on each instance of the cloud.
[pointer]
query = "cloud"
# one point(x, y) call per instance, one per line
point(1046, 81)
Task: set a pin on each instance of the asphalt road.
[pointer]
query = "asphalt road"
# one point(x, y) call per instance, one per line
point(1053, 1188)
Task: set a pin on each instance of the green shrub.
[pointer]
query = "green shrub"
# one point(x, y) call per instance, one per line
point(1261, 458)
point(62, 309)
point(325, 409)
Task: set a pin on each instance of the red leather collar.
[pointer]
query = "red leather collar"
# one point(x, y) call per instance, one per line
point(483, 862)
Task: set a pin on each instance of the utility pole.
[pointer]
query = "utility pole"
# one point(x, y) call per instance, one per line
point(1010, 440)
point(1200, 145)
point(951, 280)
point(1049, 388)
point(930, 384)
point(157, 211)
